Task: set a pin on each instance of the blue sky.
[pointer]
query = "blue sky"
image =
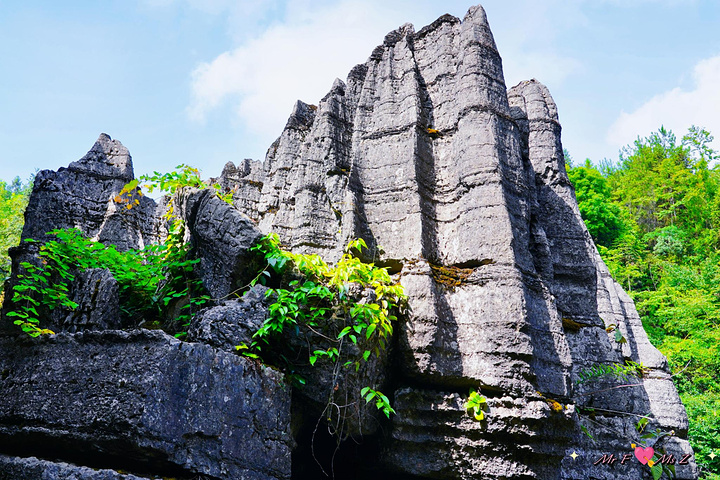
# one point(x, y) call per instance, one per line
point(204, 82)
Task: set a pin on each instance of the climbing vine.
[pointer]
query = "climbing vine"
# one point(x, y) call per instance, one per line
point(351, 306)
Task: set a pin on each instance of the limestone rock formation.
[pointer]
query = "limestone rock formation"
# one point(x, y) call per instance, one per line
point(458, 186)
point(145, 402)
point(221, 237)
point(81, 196)
point(137, 401)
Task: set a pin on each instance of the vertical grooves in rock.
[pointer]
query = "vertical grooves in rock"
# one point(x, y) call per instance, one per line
point(479, 218)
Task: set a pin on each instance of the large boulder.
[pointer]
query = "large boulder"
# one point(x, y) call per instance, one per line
point(146, 402)
point(221, 237)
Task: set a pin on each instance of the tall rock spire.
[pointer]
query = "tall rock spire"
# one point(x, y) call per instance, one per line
point(459, 186)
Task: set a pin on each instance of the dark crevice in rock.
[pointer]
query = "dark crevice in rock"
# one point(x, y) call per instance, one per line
point(99, 454)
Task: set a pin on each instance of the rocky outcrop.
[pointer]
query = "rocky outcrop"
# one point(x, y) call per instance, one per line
point(232, 322)
point(221, 238)
point(458, 186)
point(145, 402)
point(82, 196)
point(96, 397)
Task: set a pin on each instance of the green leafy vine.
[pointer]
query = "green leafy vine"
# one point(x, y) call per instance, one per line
point(351, 306)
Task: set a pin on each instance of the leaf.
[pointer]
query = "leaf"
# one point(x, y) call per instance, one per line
point(657, 471)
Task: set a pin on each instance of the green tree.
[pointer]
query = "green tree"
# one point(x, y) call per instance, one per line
point(593, 192)
point(667, 256)
point(13, 200)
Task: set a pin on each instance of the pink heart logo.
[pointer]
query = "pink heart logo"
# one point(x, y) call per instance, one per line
point(644, 454)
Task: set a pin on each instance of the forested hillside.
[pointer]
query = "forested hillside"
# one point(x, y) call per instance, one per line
point(655, 217)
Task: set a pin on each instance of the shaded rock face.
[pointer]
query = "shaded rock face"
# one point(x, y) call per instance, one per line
point(221, 237)
point(143, 401)
point(12, 468)
point(458, 185)
point(81, 196)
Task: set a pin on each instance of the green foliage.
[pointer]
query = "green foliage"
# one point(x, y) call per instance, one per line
point(13, 200)
point(601, 216)
point(151, 281)
point(616, 370)
point(476, 405)
point(156, 283)
point(351, 306)
point(381, 401)
point(667, 257)
point(171, 182)
point(704, 410)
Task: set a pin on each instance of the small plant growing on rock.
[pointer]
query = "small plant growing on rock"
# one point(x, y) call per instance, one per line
point(476, 405)
point(150, 279)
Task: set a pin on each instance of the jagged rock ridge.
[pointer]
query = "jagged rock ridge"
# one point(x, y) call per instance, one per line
point(425, 154)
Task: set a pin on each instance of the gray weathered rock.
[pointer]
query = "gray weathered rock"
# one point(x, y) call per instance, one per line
point(16, 468)
point(82, 196)
point(145, 400)
point(221, 237)
point(97, 294)
point(232, 322)
point(459, 185)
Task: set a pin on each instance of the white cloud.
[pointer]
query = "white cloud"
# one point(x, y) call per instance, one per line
point(299, 58)
point(676, 109)
point(295, 60)
point(299, 55)
point(526, 33)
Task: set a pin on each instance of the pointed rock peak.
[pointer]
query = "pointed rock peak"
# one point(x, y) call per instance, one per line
point(476, 19)
point(338, 85)
point(338, 88)
point(357, 74)
point(302, 116)
point(538, 103)
point(229, 170)
point(476, 14)
point(447, 18)
point(108, 158)
point(406, 30)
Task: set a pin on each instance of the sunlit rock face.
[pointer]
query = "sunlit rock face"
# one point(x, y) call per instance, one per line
point(458, 186)
point(425, 154)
